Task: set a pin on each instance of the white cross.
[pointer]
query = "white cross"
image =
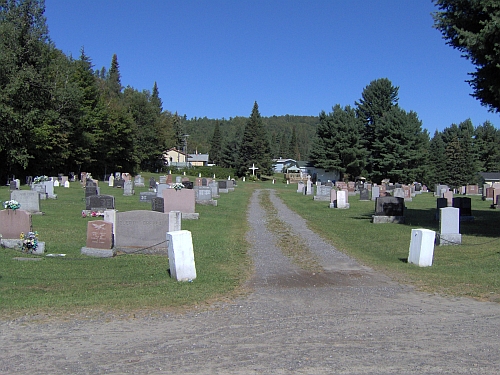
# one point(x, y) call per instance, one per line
point(253, 168)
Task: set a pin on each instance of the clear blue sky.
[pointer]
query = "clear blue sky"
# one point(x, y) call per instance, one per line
point(215, 58)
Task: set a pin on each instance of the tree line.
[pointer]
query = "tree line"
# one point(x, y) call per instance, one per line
point(59, 114)
point(378, 140)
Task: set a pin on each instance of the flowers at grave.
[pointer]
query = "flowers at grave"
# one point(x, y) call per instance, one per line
point(39, 179)
point(11, 205)
point(29, 242)
point(88, 213)
point(178, 186)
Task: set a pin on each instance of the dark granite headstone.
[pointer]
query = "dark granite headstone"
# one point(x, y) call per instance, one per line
point(364, 195)
point(157, 204)
point(464, 204)
point(389, 206)
point(222, 184)
point(188, 184)
point(90, 191)
point(119, 183)
point(146, 196)
point(152, 183)
point(100, 202)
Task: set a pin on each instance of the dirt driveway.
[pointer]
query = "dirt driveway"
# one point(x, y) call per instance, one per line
point(345, 320)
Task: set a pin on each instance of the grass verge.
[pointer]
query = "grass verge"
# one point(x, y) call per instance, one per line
point(85, 285)
point(471, 269)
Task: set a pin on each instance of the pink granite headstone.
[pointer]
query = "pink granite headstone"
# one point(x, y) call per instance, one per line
point(14, 222)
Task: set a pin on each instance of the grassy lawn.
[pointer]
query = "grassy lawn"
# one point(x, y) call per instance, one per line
point(471, 269)
point(134, 283)
point(77, 283)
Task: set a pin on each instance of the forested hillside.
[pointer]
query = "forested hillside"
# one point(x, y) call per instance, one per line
point(280, 130)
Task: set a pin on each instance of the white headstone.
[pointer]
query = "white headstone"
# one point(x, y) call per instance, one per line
point(181, 255)
point(342, 199)
point(111, 181)
point(449, 226)
point(421, 247)
point(66, 184)
point(56, 183)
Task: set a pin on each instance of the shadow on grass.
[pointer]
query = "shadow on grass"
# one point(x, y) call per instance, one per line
point(485, 223)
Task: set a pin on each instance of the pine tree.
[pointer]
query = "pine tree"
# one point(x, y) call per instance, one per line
point(179, 132)
point(437, 173)
point(254, 148)
point(216, 145)
point(487, 139)
point(399, 148)
point(114, 78)
point(337, 145)
point(156, 101)
point(376, 99)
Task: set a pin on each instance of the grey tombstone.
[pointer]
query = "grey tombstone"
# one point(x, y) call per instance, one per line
point(364, 195)
point(214, 185)
point(152, 183)
point(28, 199)
point(203, 193)
point(323, 193)
point(375, 192)
point(139, 181)
point(12, 185)
point(144, 231)
point(90, 191)
point(204, 182)
point(40, 189)
point(178, 179)
point(398, 192)
point(128, 188)
point(160, 188)
point(100, 202)
point(163, 179)
point(146, 196)
point(300, 187)
point(449, 233)
point(389, 210)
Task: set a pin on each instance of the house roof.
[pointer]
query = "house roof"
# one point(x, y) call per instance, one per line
point(490, 176)
point(175, 150)
point(198, 157)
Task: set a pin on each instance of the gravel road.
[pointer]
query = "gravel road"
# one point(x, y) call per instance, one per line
point(345, 320)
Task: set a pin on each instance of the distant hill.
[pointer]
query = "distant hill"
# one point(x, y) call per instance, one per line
point(279, 130)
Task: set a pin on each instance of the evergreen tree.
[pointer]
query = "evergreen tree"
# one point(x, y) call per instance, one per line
point(487, 139)
point(376, 99)
point(230, 156)
point(114, 78)
point(254, 148)
point(400, 148)
point(337, 145)
point(179, 132)
point(216, 145)
point(155, 100)
point(437, 173)
point(461, 164)
point(472, 27)
point(293, 148)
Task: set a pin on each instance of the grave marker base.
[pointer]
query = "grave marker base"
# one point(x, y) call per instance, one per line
point(443, 239)
point(379, 219)
point(98, 253)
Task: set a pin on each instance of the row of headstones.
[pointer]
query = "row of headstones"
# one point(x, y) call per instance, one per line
point(166, 198)
point(147, 232)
